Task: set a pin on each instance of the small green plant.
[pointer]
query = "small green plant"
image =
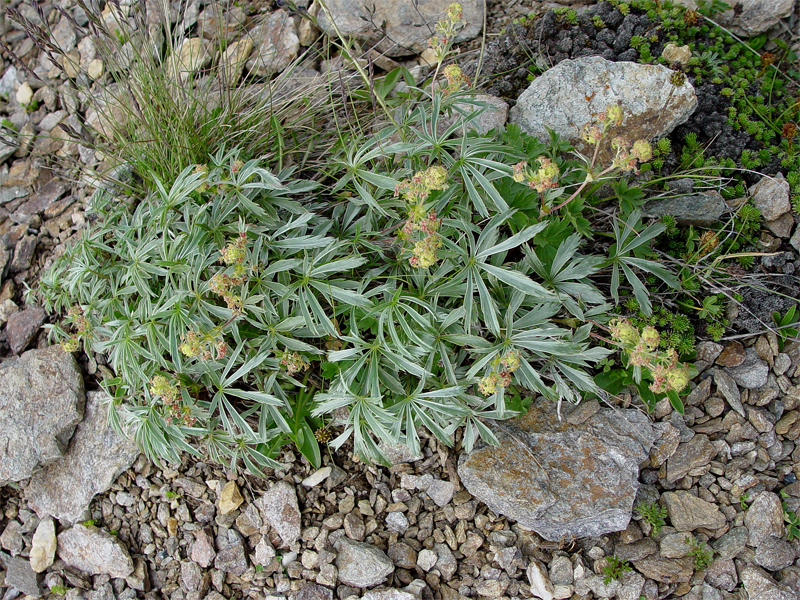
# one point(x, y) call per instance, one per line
point(33, 106)
point(784, 325)
point(702, 556)
point(614, 569)
point(654, 514)
point(743, 501)
point(791, 520)
point(59, 590)
point(258, 568)
point(170, 494)
point(90, 523)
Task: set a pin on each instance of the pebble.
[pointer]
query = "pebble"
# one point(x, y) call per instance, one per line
point(230, 498)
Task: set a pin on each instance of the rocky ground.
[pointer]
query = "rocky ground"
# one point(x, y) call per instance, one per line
point(547, 515)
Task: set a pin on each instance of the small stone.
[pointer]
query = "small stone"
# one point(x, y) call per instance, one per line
point(675, 545)
point(764, 518)
point(446, 561)
point(95, 69)
point(23, 253)
point(541, 587)
point(192, 55)
point(24, 95)
point(11, 539)
point(403, 555)
point(7, 307)
point(636, 550)
point(396, 521)
point(666, 445)
point(708, 351)
point(695, 453)
point(688, 512)
point(202, 551)
point(20, 576)
point(232, 558)
point(561, 571)
point(703, 210)
point(361, 565)
point(317, 477)
point(312, 591)
point(230, 498)
point(441, 492)
point(729, 390)
point(732, 355)
point(277, 44)
point(426, 560)
point(666, 570)
point(43, 546)
point(771, 196)
point(279, 509)
point(93, 551)
point(354, 526)
point(752, 373)
point(265, 552)
point(760, 586)
point(732, 543)
point(191, 577)
point(23, 326)
point(234, 59)
point(676, 54)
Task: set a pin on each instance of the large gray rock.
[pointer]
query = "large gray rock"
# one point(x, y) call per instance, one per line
point(651, 105)
point(704, 209)
point(764, 518)
point(95, 458)
point(41, 402)
point(396, 27)
point(750, 17)
point(360, 564)
point(279, 509)
point(23, 326)
point(276, 44)
point(561, 479)
point(93, 551)
point(761, 586)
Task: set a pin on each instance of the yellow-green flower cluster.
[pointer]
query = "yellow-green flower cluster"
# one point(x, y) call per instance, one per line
point(422, 225)
point(222, 284)
point(642, 349)
point(595, 131)
point(161, 387)
point(82, 327)
point(445, 31)
point(500, 376)
point(202, 346)
point(628, 157)
point(542, 179)
point(455, 78)
point(201, 170)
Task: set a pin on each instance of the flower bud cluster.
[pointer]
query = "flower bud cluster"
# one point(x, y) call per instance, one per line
point(595, 131)
point(542, 179)
point(422, 225)
point(201, 170)
point(82, 327)
point(203, 346)
point(455, 78)
point(642, 348)
point(170, 396)
point(500, 377)
point(293, 362)
point(628, 156)
point(445, 31)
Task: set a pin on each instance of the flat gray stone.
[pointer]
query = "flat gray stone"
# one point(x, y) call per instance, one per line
point(652, 106)
point(23, 326)
point(752, 373)
point(93, 551)
point(702, 210)
point(761, 586)
point(360, 564)
point(775, 554)
point(750, 17)
point(666, 570)
point(561, 479)
point(41, 402)
point(764, 518)
point(95, 458)
point(19, 575)
point(396, 27)
point(695, 453)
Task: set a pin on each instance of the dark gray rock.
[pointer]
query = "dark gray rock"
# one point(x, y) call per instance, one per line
point(702, 210)
point(232, 558)
point(666, 570)
point(312, 591)
point(752, 373)
point(775, 554)
point(23, 254)
point(688, 512)
point(731, 543)
point(23, 326)
point(41, 402)
point(561, 479)
point(279, 509)
point(695, 453)
point(95, 458)
point(19, 575)
point(360, 564)
point(764, 518)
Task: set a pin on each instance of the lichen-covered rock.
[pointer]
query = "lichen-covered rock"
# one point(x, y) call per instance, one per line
point(93, 551)
point(276, 44)
point(764, 518)
point(561, 479)
point(750, 17)
point(41, 403)
point(396, 27)
point(279, 509)
point(651, 105)
point(761, 586)
point(96, 456)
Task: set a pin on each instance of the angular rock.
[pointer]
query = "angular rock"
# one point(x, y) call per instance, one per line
point(402, 555)
point(360, 564)
point(728, 388)
point(651, 105)
point(396, 28)
point(279, 509)
point(95, 458)
point(695, 453)
point(93, 551)
point(732, 355)
point(276, 42)
point(20, 576)
point(230, 498)
point(389, 595)
point(441, 492)
point(666, 444)
point(752, 373)
point(675, 545)
point(771, 196)
point(192, 55)
point(561, 479)
point(23, 255)
point(666, 570)
point(775, 554)
point(750, 17)
point(636, 550)
point(688, 512)
point(203, 552)
point(760, 586)
point(11, 539)
point(312, 591)
point(426, 559)
point(540, 583)
point(41, 402)
point(43, 547)
point(317, 477)
point(722, 574)
point(764, 518)
point(445, 561)
point(702, 210)
point(232, 557)
point(732, 543)
point(22, 327)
